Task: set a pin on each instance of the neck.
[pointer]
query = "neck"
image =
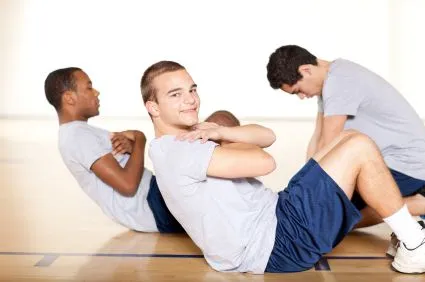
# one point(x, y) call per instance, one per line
point(323, 67)
point(65, 117)
point(165, 129)
point(323, 64)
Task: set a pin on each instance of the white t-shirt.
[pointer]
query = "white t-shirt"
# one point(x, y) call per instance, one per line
point(233, 221)
point(80, 145)
point(375, 108)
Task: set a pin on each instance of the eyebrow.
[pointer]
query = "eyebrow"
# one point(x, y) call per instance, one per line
point(180, 88)
point(174, 90)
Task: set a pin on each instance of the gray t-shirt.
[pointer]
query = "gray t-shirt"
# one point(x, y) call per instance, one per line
point(233, 221)
point(377, 109)
point(80, 146)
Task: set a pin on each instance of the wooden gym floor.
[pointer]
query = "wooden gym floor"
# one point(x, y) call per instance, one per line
point(51, 231)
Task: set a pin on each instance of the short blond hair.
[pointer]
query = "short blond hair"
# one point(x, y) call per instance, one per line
point(155, 70)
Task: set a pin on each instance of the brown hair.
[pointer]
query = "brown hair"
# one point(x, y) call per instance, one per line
point(155, 70)
point(223, 118)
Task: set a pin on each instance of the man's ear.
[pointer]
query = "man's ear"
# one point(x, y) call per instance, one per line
point(69, 98)
point(152, 108)
point(305, 70)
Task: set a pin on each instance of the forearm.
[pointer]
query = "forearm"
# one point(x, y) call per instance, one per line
point(236, 160)
point(321, 142)
point(239, 146)
point(313, 146)
point(135, 165)
point(252, 134)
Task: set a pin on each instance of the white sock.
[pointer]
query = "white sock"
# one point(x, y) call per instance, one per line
point(406, 228)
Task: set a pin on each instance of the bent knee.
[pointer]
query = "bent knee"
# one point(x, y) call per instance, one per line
point(362, 141)
point(350, 132)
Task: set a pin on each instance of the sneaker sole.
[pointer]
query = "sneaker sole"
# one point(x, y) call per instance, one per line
point(407, 269)
point(391, 253)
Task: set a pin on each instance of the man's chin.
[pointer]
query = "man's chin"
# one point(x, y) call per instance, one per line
point(192, 123)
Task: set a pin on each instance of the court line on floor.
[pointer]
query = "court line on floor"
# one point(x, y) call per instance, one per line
point(50, 257)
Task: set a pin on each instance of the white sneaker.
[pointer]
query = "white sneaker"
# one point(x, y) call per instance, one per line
point(392, 248)
point(395, 242)
point(410, 261)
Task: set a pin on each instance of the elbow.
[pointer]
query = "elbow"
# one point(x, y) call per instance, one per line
point(268, 164)
point(271, 165)
point(129, 189)
point(271, 138)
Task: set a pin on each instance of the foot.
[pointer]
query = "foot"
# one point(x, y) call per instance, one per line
point(410, 260)
point(395, 242)
point(392, 248)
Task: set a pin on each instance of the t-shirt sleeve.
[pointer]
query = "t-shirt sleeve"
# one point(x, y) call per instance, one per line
point(88, 146)
point(192, 158)
point(341, 96)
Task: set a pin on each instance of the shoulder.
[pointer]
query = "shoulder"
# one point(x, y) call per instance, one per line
point(77, 135)
point(343, 76)
point(175, 149)
point(346, 68)
point(160, 146)
point(79, 130)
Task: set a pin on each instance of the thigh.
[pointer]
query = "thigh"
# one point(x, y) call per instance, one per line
point(340, 138)
point(408, 186)
point(313, 216)
point(341, 165)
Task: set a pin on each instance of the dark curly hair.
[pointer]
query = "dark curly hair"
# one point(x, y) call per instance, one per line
point(284, 63)
point(57, 82)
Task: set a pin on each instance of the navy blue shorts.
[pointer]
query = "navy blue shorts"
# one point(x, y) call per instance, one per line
point(165, 221)
point(313, 216)
point(408, 186)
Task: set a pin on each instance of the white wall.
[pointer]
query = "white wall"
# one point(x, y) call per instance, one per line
point(224, 44)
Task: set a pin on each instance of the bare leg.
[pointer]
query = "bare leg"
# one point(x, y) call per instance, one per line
point(415, 204)
point(354, 162)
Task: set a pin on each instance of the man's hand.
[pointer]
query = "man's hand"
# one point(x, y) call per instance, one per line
point(132, 134)
point(204, 131)
point(206, 125)
point(123, 142)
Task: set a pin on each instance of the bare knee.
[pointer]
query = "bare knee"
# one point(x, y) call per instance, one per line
point(361, 144)
point(349, 132)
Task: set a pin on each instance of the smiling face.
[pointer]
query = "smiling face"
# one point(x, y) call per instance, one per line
point(177, 102)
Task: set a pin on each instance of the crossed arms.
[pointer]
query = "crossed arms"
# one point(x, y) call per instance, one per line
point(241, 151)
point(240, 154)
point(125, 180)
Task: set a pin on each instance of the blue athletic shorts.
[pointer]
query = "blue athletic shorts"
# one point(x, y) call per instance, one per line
point(165, 221)
point(313, 216)
point(407, 185)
